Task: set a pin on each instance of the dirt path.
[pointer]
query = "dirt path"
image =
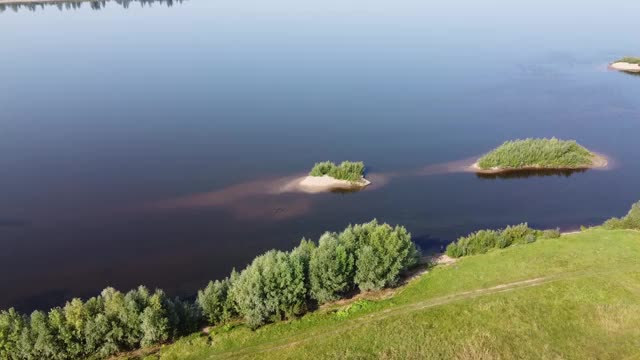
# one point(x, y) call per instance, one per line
point(403, 309)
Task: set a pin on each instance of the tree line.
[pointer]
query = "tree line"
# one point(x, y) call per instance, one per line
point(77, 4)
point(274, 286)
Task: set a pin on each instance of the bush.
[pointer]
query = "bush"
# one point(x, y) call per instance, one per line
point(331, 269)
point(453, 250)
point(271, 288)
point(482, 241)
point(381, 255)
point(631, 221)
point(347, 170)
point(551, 234)
point(214, 301)
point(540, 153)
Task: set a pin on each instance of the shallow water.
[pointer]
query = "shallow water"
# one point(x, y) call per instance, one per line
point(106, 113)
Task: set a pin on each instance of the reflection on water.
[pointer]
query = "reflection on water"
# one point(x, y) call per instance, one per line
point(631, 73)
point(77, 4)
point(523, 174)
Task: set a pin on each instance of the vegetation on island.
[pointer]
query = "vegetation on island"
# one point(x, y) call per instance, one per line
point(575, 297)
point(630, 60)
point(347, 170)
point(482, 241)
point(275, 286)
point(537, 153)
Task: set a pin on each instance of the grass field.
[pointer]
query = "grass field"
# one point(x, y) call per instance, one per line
point(575, 297)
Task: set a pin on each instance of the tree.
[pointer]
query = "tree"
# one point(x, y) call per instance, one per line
point(155, 325)
point(382, 253)
point(11, 327)
point(331, 269)
point(272, 287)
point(304, 252)
point(213, 301)
point(44, 346)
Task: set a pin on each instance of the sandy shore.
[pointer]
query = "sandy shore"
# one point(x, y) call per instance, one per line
point(623, 66)
point(316, 184)
point(599, 162)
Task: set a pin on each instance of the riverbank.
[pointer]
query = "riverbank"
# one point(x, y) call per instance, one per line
point(599, 161)
point(496, 304)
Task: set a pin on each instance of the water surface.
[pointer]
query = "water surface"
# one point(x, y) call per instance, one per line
point(108, 111)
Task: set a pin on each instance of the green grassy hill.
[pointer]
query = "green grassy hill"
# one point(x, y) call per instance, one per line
point(575, 297)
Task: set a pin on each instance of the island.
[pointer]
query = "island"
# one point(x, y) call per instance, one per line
point(627, 64)
point(538, 154)
point(327, 176)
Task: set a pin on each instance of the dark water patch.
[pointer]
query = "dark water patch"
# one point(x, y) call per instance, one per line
point(44, 300)
point(13, 223)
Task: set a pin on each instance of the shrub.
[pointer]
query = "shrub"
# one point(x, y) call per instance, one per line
point(629, 221)
point(331, 269)
point(454, 250)
point(551, 234)
point(541, 153)
point(478, 242)
point(214, 301)
point(382, 255)
point(271, 288)
point(347, 170)
point(482, 241)
point(517, 233)
point(304, 252)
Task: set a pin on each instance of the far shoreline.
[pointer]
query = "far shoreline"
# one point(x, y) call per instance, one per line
point(600, 161)
point(23, 2)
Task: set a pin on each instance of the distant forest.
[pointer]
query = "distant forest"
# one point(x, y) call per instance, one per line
point(77, 4)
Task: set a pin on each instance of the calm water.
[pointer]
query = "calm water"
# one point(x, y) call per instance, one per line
point(106, 113)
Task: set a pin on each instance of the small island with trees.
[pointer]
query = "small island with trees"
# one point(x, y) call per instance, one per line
point(538, 154)
point(327, 176)
point(627, 64)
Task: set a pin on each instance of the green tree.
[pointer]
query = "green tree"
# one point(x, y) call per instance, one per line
point(304, 252)
point(11, 328)
point(213, 300)
point(44, 342)
point(155, 325)
point(271, 288)
point(382, 254)
point(331, 269)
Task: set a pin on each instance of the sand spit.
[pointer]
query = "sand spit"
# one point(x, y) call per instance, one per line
point(599, 162)
point(624, 66)
point(316, 184)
